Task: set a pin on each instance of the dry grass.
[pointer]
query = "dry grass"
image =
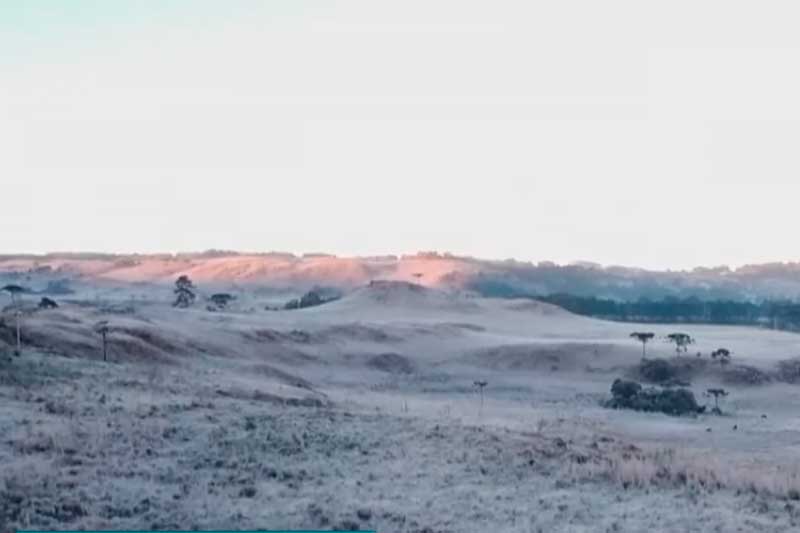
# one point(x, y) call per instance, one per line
point(113, 458)
point(636, 467)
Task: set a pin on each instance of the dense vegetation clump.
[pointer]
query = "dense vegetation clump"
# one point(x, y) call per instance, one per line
point(692, 310)
point(311, 299)
point(631, 395)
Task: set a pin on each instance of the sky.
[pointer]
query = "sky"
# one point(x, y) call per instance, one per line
point(652, 134)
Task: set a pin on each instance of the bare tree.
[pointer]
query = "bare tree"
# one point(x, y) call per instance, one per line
point(723, 355)
point(184, 292)
point(103, 329)
point(15, 291)
point(644, 338)
point(681, 341)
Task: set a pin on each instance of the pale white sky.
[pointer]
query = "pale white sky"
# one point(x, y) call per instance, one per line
point(657, 134)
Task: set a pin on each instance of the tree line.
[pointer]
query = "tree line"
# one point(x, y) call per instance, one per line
point(692, 310)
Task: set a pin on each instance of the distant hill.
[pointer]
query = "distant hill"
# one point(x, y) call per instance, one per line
point(503, 279)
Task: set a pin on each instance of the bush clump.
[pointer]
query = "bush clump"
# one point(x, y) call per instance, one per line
point(631, 395)
point(311, 299)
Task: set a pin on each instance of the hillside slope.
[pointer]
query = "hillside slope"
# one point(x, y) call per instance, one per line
point(488, 278)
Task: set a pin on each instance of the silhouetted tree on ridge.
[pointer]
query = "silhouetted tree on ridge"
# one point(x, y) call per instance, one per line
point(644, 338)
point(184, 292)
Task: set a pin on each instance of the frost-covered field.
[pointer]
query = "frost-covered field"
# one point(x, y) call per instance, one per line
point(362, 414)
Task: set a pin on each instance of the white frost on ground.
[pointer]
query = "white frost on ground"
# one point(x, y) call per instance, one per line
point(362, 414)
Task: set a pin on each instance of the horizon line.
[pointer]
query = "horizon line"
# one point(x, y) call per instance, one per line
point(423, 254)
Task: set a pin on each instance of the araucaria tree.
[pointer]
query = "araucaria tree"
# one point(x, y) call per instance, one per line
point(481, 385)
point(723, 355)
point(716, 394)
point(681, 341)
point(644, 338)
point(184, 292)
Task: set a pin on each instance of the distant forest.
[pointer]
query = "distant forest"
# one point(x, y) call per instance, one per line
point(765, 295)
point(772, 314)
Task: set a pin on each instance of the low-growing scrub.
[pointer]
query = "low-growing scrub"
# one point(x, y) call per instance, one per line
point(680, 371)
point(673, 371)
point(745, 375)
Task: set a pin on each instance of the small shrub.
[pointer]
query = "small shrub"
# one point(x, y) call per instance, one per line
point(248, 492)
point(47, 303)
point(221, 300)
